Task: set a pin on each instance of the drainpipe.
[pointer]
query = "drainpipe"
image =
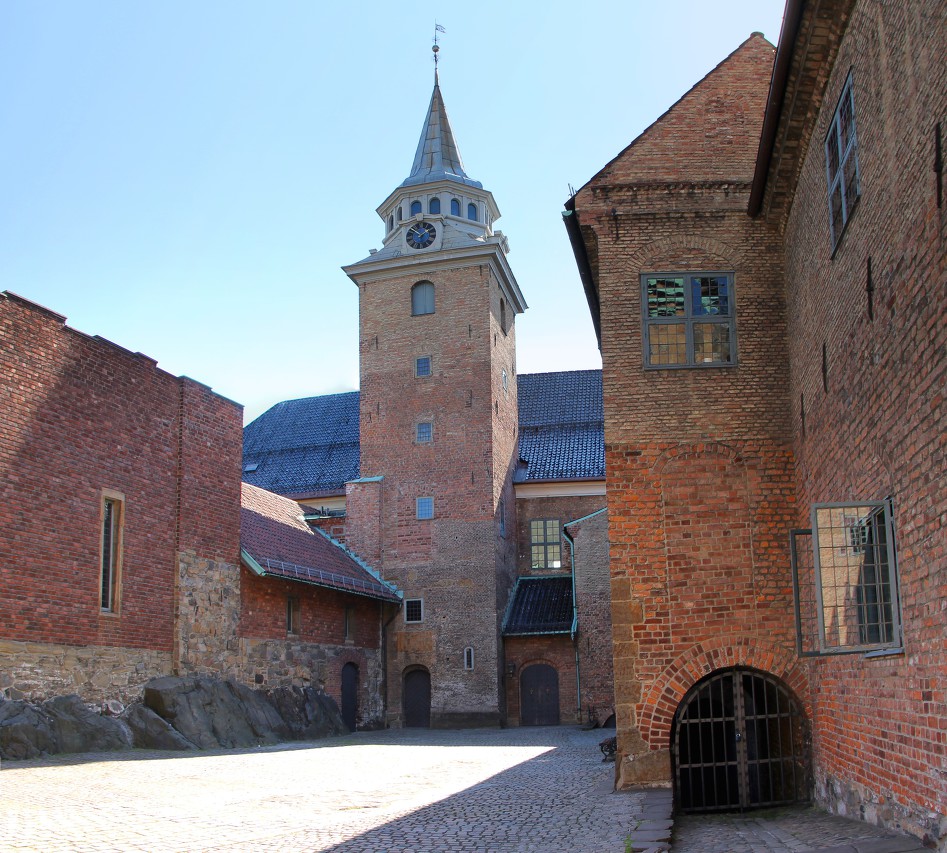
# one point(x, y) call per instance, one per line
point(575, 626)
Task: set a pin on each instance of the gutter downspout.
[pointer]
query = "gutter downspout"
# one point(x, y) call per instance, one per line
point(575, 626)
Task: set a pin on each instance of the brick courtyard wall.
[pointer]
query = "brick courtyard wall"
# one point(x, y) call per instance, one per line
point(84, 416)
point(593, 604)
point(458, 562)
point(699, 461)
point(557, 651)
point(876, 427)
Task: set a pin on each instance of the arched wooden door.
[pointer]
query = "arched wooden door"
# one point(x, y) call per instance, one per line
point(416, 698)
point(350, 695)
point(539, 695)
point(739, 741)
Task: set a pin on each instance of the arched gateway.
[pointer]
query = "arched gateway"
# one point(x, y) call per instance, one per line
point(739, 740)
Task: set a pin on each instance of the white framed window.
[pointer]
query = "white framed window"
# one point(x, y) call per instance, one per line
point(110, 550)
point(688, 319)
point(545, 547)
point(841, 164)
point(424, 508)
point(846, 592)
point(424, 432)
point(414, 610)
point(422, 366)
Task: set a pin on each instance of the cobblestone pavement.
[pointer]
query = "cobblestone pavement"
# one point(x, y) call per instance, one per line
point(787, 830)
point(542, 790)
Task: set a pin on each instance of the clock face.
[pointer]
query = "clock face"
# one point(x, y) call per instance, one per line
point(421, 235)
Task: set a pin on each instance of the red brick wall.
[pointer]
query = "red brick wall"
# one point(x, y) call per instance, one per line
point(83, 415)
point(879, 428)
point(321, 612)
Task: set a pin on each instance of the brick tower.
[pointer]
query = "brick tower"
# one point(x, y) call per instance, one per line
point(433, 509)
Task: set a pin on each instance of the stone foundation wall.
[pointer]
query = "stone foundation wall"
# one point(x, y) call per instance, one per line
point(881, 808)
point(39, 671)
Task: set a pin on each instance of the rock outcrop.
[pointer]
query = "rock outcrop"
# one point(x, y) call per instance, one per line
point(175, 713)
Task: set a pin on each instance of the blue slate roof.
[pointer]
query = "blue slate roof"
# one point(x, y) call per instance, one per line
point(307, 446)
point(540, 606)
point(562, 434)
point(304, 446)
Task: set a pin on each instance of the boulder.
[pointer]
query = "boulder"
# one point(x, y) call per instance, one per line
point(80, 729)
point(25, 731)
point(265, 720)
point(310, 713)
point(149, 731)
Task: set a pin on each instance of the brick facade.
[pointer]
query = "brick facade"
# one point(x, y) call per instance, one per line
point(835, 397)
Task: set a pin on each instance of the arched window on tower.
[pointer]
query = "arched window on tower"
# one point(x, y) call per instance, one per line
point(472, 211)
point(455, 207)
point(399, 213)
point(391, 221)
point(434, 205)
point(422, 298)
point(415, 207)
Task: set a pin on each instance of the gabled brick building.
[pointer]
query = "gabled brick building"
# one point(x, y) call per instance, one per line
point(765, 266)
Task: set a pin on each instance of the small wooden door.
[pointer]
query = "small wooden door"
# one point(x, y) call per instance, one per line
point(350, 695)
point(416, 698)
point(539, 696)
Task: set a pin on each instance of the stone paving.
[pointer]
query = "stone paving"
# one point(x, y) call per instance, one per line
point(542, 790)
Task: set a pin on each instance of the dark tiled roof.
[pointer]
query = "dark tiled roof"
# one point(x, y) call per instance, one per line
point(311, 445)
point(304, 446)
point(540, 606)
point(561, 426)
point(273, 533)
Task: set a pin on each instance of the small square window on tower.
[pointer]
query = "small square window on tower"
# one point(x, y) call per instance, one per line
point(414, 610)
point(425, 432)
point(422, 366)
point(425, 508)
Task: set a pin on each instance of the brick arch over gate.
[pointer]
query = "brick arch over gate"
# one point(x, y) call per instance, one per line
point(665, 250)
point(660, 702)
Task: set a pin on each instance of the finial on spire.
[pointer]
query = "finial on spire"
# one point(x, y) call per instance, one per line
point(436, 48)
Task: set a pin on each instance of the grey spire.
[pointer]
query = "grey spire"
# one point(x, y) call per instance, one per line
point(437, 157)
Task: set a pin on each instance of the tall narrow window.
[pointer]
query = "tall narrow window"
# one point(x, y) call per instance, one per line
point(455, 207)
point(472, 211)
point(841, 164)
point(391, 222)
point(112, 506)
point(292, 614)
point(422, 298)
point(434, 205)
point(349, 623)
point(689, 319)
point(503, 315)
point(469, 657)
point(544, 543)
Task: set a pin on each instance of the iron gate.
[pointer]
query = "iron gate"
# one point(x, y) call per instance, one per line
point(739, 741)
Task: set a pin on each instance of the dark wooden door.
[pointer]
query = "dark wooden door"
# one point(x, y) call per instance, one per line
point(350, 695)
point(739, 742)
point(539, 696)
point(416, 698)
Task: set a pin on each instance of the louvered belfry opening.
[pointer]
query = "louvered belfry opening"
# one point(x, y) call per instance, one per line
point(739, 741)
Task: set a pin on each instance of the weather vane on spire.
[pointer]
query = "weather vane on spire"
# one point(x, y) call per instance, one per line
point(437, 29)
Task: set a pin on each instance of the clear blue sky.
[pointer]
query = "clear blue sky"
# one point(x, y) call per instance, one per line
point(187, 178)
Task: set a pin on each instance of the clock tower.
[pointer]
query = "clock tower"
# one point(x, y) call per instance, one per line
point(438, 434)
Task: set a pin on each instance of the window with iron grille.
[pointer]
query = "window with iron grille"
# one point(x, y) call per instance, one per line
point(545, 546)
point(854, 604)
point(424, 433)
point(841, 164)
point(424, 508)
point(414, 610)
point(469, 657)
point(688, 319)
point(422, 366)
